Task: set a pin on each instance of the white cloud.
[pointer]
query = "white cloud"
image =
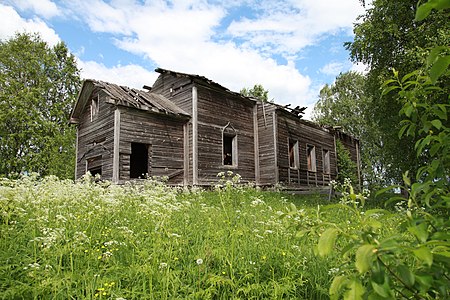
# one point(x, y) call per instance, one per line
point(332, 69)
point(130, 75)
point(360, 67)
point(293, 25)
point(11, 22)
point(180, 37)
point(43, 8)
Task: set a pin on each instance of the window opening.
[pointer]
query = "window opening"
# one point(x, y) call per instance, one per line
point(229, 149)
point(139, 162)
point(94, 107)
point(326, 162)
point(293, 154)
point(311, 154)
point(94, 165)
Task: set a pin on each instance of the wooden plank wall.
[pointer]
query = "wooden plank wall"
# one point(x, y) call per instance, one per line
point(95, 138)
point(306, 134)
point(266, 144)
point(215, 110)
point(176, 89)
point(163, 133)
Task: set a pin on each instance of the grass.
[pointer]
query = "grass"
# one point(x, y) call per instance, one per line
point(65, 240)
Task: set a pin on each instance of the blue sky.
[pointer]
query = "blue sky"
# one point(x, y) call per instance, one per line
point(291, 47)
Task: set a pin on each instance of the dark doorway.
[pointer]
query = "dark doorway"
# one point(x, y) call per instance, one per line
point(228, 150)
point(139, 160)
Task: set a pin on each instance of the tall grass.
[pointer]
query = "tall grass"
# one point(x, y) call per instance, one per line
point(83, 240)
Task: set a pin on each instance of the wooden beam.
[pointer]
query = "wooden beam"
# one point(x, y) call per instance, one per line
point(275, 145)
point(194, 136)
point(256, 142)
point(76, 155)
point(186, 154)
point(116, 149)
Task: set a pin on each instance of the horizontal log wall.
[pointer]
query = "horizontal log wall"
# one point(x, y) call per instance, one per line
point(95, 138)
point(215, 110)
point(176, 89)
point(163, 133)
point(290, 127)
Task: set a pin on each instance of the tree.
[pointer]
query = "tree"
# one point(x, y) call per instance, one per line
point(386, 38)
point(345, 104)
point(257, 92)
point(38, 86)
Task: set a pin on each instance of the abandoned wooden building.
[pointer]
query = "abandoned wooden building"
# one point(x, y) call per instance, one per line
point(188, 128)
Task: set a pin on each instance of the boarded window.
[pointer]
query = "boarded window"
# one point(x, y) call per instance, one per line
point(293, 154)
point(326, 162)
point(311, 156)
point(94, 107)
point(94, 165)
point(139, 160)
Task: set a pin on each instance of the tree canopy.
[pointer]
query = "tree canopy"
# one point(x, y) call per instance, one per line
point(387, 38)
point(257, 92)
point(38, 86)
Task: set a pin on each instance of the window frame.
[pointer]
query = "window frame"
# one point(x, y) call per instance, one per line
point(311, 158)
point(326, 161)
point(228, 132)
point(95, 107)
point(294, 151)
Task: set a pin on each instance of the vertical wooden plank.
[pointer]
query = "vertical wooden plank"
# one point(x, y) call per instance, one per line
point(116, 150)
point(186, 154)
point(194, 136)
point(76, 154)
point(275, 144)
point(256, 142)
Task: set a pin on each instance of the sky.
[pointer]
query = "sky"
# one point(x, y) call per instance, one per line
point(292, 47)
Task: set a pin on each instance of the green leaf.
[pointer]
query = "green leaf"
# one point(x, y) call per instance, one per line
point(406, 178)
point(364, 258)
point(420, 232)
point(439, 68)
point(425, 282)
point(356, 290)
point(336, 286)
point(437, 123)
point(424, 254)
point(326, 241)
point(423, 11)
point(382, 289)
point(406, 275)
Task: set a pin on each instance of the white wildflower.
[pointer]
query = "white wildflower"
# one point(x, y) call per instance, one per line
point(199, 261)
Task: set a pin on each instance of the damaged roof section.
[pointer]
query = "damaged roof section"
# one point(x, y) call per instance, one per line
point(125, 96)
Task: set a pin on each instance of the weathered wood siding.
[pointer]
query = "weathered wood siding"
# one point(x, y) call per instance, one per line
point(267, 162)
point(95, 138)
point(306, 133)
point(177, 89)
point(163, 134)
point(216, 109)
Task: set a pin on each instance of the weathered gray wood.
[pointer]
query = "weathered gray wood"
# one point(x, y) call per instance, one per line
point(256, 143)
point(115, 177)
point(194, 136)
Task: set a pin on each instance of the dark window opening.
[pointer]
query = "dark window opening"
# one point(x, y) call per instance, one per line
point(94, 107)
point(311, 154)
point(293, 154)
point(228, 150)
point(94, 165)
point(139, 160)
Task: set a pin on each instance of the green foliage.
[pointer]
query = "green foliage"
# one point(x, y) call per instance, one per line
point(38, 86)
point(415, 262)
point(347, 168)
point(387, 36)
point(87, 240)
point(257, 92)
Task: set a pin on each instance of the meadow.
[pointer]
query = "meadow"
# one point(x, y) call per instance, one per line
point(87, 240)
